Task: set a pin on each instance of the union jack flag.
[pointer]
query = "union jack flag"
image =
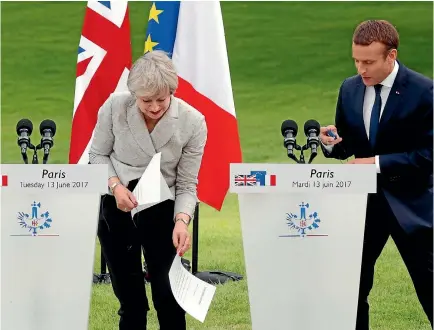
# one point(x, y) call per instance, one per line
point(245, 180)
point(103, 63)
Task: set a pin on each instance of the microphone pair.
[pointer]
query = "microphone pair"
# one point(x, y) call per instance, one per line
point(24, 129)
point(289, 130)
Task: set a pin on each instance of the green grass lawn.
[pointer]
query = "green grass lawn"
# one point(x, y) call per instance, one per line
point(287, 62)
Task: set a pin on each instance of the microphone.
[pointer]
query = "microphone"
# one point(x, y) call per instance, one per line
point(47, 128)
point(24, 130)
point(312, 130)
point(289, 131)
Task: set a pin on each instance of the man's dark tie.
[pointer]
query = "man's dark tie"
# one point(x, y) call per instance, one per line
point(375, 115)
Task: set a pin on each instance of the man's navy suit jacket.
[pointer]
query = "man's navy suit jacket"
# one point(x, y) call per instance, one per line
point(404, 143)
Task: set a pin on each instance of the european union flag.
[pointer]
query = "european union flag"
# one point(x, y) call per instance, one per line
point(162, 25)
point(260, 176)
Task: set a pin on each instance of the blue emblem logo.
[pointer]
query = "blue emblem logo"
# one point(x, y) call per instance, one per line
point(36, 221)
point(304, 223)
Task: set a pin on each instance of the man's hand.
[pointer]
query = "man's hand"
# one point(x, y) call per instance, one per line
point(329, 140)
point(370, 160)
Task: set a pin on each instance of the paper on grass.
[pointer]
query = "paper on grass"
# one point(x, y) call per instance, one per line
point(191, 293)
point(151, 188)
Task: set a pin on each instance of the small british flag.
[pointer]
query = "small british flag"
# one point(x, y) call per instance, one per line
point(245, 180)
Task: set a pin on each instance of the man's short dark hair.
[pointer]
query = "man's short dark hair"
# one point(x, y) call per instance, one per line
point(382, 31)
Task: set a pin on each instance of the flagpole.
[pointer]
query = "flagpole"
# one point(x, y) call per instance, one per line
point(195, 247)
point(103, 277)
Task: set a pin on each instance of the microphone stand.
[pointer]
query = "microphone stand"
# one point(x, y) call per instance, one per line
point(45, 159)
point(294, 157)
point(302, 158)
point(46, 154)
point(24, 151)
point(312, 157)
point(35, 159)
point(45, 145)
point(35, 154)
point(24, 155)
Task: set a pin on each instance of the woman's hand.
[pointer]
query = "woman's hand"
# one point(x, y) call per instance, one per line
point(181, 237)
point(125, 199)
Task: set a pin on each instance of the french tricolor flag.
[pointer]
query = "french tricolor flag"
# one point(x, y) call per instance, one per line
point(4, 181)
point(192, 33)
point(270, 180)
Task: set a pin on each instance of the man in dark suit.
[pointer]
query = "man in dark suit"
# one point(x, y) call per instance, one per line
point(384, 116)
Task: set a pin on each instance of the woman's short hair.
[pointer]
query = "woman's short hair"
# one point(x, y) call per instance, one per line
point(153, 73)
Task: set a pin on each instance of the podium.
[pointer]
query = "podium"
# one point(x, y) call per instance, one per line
point(303, 228)
point(49, 219)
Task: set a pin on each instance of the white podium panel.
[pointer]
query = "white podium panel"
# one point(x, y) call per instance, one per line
point(303, 239)
point(48, 233)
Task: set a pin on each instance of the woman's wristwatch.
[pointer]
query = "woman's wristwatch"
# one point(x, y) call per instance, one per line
point(113, 186)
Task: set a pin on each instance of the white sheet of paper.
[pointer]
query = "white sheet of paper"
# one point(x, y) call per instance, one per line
point(151, 188)
point(191, 293)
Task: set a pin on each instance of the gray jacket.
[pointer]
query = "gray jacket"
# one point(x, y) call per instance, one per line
point(122, 141)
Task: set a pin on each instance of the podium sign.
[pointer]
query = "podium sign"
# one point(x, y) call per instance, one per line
point(303, 228)
point(49, 217)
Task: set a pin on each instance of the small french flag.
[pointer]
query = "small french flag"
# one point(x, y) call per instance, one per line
point(270, 180)
point(4, 181)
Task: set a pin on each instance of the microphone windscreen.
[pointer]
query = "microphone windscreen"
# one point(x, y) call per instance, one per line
point(289, 125)
point(311, 124)
point(24, 124)
point(47, 124)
